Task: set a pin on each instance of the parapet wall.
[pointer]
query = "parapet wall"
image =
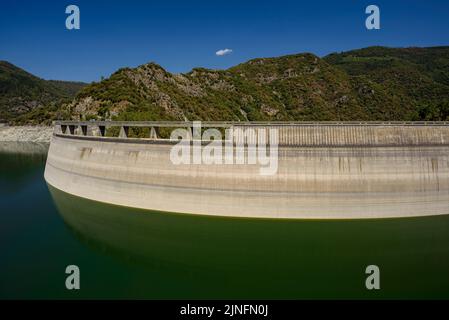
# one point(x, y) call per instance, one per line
point(328, 135)
point(306, 134)
point(328, 180)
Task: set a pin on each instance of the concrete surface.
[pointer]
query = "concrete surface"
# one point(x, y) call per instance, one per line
point(311, 182)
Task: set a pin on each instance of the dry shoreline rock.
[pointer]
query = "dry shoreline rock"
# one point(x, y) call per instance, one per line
point(26, 133)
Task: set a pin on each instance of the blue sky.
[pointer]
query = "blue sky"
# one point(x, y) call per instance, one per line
point(180, 35)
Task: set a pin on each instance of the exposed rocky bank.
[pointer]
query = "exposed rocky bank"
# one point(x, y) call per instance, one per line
point(26, 134)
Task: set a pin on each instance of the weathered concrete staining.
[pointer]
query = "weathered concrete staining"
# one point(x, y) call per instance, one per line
point(312, 182)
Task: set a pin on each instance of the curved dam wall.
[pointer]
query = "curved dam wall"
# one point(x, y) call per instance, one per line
point(367, 172)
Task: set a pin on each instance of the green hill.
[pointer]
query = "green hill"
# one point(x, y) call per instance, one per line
point(418, 77)
point(25, 97)
point(375, 83)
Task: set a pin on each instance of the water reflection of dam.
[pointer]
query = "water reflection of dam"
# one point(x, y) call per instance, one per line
point(325, 170)
point(190, 256)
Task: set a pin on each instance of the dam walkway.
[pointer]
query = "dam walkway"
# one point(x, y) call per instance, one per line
point(295, 134)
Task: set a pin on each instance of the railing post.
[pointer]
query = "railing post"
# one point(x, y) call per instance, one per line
point(124, 132)
point(153, 134)
point(58, 129)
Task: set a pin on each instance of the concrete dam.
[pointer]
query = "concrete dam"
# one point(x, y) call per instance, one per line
point(325, 170)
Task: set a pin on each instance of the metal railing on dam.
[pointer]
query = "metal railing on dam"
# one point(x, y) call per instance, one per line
point(307, 134)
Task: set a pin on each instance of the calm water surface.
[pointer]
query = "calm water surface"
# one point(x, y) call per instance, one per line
point(129, 253)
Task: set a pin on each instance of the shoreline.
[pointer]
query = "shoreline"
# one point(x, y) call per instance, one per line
point(41, 134)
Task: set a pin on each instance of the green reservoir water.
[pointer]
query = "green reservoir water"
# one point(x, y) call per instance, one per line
point(128, 253)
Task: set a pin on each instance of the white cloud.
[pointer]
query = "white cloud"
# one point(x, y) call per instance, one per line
point(223, 52)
